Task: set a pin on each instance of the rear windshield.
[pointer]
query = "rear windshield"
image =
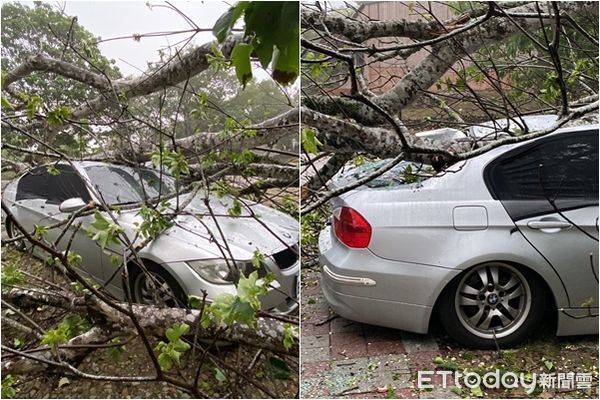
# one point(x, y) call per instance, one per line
point(118, 184)
point(404, 173)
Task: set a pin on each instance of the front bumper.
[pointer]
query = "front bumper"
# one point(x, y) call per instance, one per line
point(281, 299)
point(363, 287)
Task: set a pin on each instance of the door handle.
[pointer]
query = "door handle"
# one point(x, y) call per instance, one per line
point(548, 224)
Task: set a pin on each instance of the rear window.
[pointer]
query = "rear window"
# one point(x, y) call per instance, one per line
point(561, 168)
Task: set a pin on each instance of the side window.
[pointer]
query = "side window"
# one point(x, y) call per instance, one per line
point(562, 169)
point(40, 184)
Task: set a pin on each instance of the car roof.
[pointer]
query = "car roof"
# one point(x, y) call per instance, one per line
point(491, 129)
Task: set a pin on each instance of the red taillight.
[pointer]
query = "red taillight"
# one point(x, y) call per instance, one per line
point(351, 228)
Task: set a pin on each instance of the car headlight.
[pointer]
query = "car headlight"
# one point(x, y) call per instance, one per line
point(216, 270)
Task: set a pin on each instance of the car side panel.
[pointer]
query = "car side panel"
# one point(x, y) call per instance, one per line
point(425, 233)
point(573, 254)
point(577, 321)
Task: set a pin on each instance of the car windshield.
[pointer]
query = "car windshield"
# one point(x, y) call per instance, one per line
point(119, 184)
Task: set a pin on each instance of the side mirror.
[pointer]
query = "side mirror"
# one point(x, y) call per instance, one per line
point(72, 205)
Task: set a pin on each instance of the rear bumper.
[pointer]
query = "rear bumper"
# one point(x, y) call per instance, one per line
point(363, 287)
point(391, 314)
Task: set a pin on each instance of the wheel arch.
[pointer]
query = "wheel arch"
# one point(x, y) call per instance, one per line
point(551, 301)
point(134, 269)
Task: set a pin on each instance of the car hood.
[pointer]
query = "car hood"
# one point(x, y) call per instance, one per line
point(198, 233)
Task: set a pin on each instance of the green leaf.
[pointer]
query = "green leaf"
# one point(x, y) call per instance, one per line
point(457, 390)
point(476, 391)
point(235, 210)
point(165, 361)
point(73, 258)
point(390, 392)
point(8, 390)
point(105, 232)
point(289, 335)
point(359, 160)
point(153, 222)
point(56, 336)
point(257, 258)
point(181, 346)
point(286, 63)
point(174, 161)
point(249, 290)
point(100, 222)
point(11, 276)
point(116, 352)
point(39, 230)
point(220, 376)
point(34, 104)
point(116, 260)
point(194, 301)
point(588, 302)
point(176, 331)
point(18, 342)
point(59, 115)
point(170, 353)
point(6, 105)
point(310, 143)
point(277, 369)
point(222, 27)
point(52, 170)
point(263, 47)
point(216, 59)
point(274, 27)
point(240, 58)
point(229, 309)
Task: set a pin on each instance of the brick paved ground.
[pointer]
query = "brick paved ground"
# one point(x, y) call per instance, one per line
point(342, 358)
point(346, 358)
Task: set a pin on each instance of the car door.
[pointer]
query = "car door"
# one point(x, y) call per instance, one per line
point(550, 190)
point(39, 195)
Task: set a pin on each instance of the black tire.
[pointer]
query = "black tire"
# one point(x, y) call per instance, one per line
point(12, 232)
point(459, 308)
point(140, 287)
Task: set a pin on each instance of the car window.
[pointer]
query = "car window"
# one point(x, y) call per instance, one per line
point(118, 184)
point(561, 168)
point(54, 188)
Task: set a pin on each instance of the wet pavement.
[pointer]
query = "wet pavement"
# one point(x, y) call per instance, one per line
point(342, 358)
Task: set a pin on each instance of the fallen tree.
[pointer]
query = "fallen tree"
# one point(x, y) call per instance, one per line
point(190, 116)
point(498, 60)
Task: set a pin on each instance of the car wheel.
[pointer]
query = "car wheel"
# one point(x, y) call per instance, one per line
point(156, 287)
point(13, 232)
point(492, 303)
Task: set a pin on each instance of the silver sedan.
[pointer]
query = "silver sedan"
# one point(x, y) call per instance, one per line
point(191, 257)
point(486, 247)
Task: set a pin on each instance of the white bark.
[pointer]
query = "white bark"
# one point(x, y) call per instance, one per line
point(153, 320)
point(442, 56)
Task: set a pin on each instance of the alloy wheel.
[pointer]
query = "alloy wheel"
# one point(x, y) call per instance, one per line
point(493, 299)
point(151, 288)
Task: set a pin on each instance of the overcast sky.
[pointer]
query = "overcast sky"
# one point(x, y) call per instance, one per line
point(111, 19)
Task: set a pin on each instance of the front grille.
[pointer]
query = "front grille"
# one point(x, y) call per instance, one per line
point(286, 258)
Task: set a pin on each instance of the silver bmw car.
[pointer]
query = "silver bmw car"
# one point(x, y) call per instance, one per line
point(486, 247)
point(186, 259)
